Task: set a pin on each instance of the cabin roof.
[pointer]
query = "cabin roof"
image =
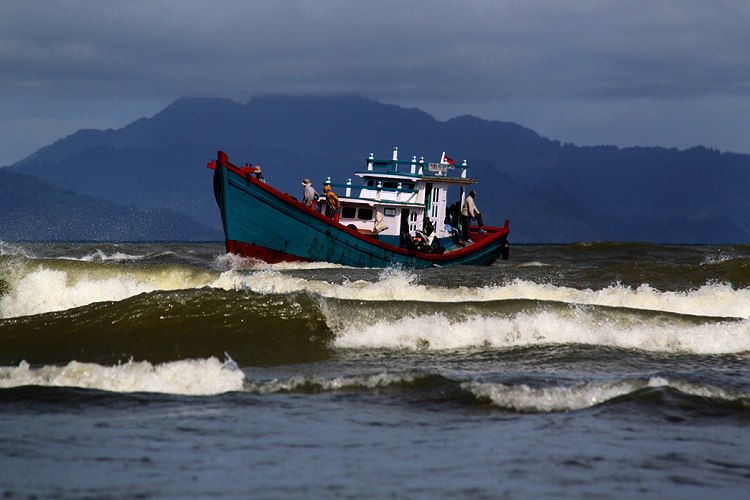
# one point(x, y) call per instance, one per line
point(369, 174)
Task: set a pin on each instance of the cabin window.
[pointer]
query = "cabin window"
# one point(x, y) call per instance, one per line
point(390, 184)
point(348, 212)
point(389, 212)
point(365, 214)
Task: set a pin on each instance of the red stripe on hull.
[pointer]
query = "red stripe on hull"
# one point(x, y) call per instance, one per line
point(261, 253)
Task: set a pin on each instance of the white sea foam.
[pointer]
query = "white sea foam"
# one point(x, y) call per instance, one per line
point(700, 390)
point(518, 397)
point(559, 398)
point(717, 300)
point(190, 377)
point(14, 249)
point(234, 262)
point(712, 300)
point(533, 263)
point(366, 381)
point(392, 285)
point(550, 399)
point(205, 377)
point(46, 290)
point(717, 257)
point(100, 256)
point(438, 332)
point(42, 289)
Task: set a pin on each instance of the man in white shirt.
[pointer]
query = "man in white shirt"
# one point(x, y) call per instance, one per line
point(470, 211)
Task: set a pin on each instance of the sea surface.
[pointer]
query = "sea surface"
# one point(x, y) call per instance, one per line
point(174, 370)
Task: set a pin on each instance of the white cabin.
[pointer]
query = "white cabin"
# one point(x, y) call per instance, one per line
point(405, 194)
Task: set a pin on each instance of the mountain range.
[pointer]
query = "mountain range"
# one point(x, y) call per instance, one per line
point(149, 181)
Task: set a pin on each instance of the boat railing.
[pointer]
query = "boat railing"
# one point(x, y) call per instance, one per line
point(348, 188)
point(378, 187)
point(415, 166)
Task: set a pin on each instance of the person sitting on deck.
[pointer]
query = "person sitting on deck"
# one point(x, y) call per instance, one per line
point(379, 224)
point(470, 211)
point(259, 173)
point(333, 205)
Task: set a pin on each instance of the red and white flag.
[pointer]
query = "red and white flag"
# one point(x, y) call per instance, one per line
point(447, 159)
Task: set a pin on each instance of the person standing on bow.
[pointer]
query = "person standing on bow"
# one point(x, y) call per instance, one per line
point(333, 205)
point(470, 211)
point(309, 195)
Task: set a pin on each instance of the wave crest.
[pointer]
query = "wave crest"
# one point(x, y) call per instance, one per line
point(524, 398)
point(189, 377)
point(544, 326)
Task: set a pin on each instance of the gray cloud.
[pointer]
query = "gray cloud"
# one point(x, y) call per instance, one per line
point(565, 62)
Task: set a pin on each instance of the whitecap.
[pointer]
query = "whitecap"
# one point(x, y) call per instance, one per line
point(544, 327)
point(188, 377)
point(523, 398)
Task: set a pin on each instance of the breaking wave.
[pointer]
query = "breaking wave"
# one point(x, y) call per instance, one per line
point(392, 310)
point(551, 324)
point(188, 377)
point(40, 287)
point(209, 377)
point(524, 398)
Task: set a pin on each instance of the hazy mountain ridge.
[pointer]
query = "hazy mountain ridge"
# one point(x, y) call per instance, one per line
point(552, 192)
point(34, 210)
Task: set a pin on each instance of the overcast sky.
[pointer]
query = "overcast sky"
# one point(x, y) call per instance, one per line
point(667, 73)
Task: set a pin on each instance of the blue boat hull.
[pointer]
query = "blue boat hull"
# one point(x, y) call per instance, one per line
point(264, 223)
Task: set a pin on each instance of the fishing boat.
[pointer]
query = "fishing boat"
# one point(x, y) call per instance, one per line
point(398, 215)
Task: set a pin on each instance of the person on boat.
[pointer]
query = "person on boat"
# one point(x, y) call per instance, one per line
point(333, 205)
point(309, 195)
point(379, 224)
point(451, 217)
point(259, 173)
point(470, 211)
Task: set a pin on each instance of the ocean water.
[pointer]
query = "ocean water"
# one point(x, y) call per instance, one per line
point(571, 371)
